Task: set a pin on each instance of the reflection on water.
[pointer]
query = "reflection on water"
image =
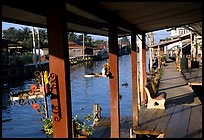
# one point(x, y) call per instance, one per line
point(24, 121)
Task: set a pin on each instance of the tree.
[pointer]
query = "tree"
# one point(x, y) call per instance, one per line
point(24, 37)
point(43, 37)
point(125, 39)
point(72, 36)
point(98, 42)
point(24, 34)
point(11, 34)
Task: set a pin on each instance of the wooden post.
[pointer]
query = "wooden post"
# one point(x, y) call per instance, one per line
point(96, 113)
point(59, 65)
point(114, 82)
point(134, 81)
point(140, 70)
point(150, 59)
point(191, 39)
point(151, 42)
point(144, 68)
point(158, 56)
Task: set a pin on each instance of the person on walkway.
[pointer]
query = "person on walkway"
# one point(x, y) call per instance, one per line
point(155, 62)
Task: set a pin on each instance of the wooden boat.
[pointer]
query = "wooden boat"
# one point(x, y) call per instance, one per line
point(95, 75)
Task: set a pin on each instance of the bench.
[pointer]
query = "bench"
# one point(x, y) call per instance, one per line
point(155, 100)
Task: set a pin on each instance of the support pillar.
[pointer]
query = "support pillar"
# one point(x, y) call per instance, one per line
point(134, 81)
point(114, 82)
point(158, 56)
point(59, 65)
point(141, 70)
point(144, 68)
point(151, 42)
point(150, 59)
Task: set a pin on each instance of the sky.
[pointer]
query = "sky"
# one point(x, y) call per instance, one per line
point(161, 34)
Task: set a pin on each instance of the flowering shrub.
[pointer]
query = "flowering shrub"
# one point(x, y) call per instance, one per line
point(83, 127)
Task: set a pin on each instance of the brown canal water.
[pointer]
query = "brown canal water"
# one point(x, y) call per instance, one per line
point(24, 121)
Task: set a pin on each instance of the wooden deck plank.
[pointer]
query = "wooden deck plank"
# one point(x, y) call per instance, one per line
point(142, 114)
point(183, 122)
point(193, 76)
point(161, 126)
point(195, 126)
point(181, 118)
point(155, 119)
point(102, 130)
point(146, 119)
point(173, 122)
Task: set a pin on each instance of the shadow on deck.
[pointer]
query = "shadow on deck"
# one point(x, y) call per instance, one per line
point(182, 117)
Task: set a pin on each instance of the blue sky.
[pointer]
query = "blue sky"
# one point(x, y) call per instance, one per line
point(162, 34)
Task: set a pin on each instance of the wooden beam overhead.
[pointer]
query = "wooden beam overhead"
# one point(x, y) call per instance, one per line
point(82, 21)
point(74, 18)
point(96, 9)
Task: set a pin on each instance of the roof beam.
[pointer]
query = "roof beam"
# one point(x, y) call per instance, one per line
point(5, 19)
point(37, 6)
point(96, 9)
point(74, 18)
point(77, 19)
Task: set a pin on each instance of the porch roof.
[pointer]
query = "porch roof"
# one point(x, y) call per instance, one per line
point(94, 17)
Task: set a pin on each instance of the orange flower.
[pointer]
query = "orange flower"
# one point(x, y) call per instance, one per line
point(35, 106)
point(33, 87)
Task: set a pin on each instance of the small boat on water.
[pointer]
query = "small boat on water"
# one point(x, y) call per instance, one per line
point(95, 75)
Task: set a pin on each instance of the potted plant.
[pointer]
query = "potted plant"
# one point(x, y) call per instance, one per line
point(83, 128)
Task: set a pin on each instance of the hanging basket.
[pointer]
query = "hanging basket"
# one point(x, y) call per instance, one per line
point(33, 87)
point(35, 106)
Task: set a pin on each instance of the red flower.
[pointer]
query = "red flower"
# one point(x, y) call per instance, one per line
point(33, 87)
point(85, 130)
point(35, 106)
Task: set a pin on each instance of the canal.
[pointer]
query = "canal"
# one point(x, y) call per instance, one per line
point(24, 121)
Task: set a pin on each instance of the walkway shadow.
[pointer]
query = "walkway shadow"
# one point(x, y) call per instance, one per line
point(181, 99)
point(173, 87)
point(171, 78)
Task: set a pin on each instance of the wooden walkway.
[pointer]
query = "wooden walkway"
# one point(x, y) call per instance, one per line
point(193, 76)
point(182, 117)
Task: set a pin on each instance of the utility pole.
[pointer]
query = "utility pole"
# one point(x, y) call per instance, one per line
point(83, 48)
point(38, 47)
point(34, 56)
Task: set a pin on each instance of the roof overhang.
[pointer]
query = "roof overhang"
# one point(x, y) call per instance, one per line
point(184, 38)
point(95, 17)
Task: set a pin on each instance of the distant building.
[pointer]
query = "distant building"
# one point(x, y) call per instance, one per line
point(176, 32)
point(76, 50)
point(43, 51)
point(11, 48)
